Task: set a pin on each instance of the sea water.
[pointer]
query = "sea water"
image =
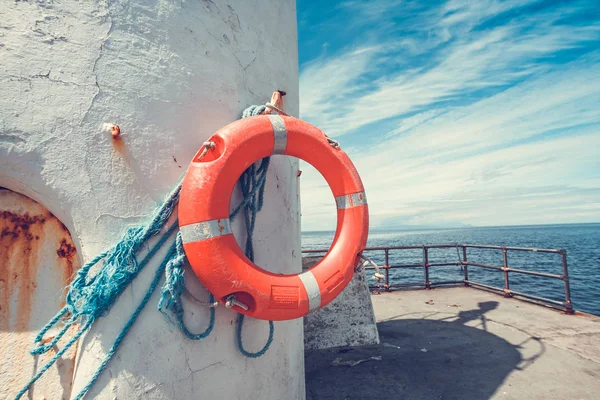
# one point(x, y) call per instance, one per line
point(581, 241)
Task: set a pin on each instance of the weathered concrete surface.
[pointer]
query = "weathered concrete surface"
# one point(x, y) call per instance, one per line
point(347, 321)
point(464, 344)
point(169, 74)
point(37, 261)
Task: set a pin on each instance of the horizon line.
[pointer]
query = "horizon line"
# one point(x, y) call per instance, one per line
point(423, 228)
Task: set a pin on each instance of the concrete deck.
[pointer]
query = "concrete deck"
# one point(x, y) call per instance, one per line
point(462, 343)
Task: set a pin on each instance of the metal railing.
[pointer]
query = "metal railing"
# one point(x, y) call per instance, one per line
point(462, 261)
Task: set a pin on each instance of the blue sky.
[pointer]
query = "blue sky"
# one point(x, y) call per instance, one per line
point(456, 112)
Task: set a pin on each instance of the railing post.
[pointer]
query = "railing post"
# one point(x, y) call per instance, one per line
point(568, 304)
point(505, 269)
point(465, 265)
point(426, 266)
point(387, 270)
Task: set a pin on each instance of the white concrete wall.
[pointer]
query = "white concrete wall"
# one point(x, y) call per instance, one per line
point(169, 74)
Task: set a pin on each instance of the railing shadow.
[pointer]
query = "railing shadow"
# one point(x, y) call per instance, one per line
point(422, 358)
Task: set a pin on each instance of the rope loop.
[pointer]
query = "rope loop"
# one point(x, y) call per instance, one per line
point(240, 324)
point(252, 184)
point(274, 107)
point(174, 287)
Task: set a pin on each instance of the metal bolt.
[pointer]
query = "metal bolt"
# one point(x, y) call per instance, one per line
point(115, 131)
point(231, 301)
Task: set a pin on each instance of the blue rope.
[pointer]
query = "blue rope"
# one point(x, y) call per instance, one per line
point(58, 355)
point(89, 320)
point(173, 289)
point(91, 297)
point(253, 111)
point(109, 355)
point(252, 183)
point(238, 339)
point(66, 309)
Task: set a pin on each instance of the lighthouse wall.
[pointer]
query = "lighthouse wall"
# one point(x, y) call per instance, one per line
point(169, 74)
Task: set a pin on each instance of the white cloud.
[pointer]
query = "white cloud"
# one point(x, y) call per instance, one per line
point(334, 97)
point(469, 165)
point(373, 11)
point(468, 13)
point(486, 130)
point(328, 83)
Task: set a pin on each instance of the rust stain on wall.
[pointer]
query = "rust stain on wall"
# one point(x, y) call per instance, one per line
point(37, 262)
point(19, 237)
point(68, 253)
point(118, 144)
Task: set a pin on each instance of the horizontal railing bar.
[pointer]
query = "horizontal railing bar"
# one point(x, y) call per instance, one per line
point(447, 283)
point(396, 266)
point(519, 271)
point(535, 273)
point(514, 293)
point(448, 246)
point(405, 266)
point(441, 246)
point(484, 266)
point(447, 264)
point(421, 284)
point(455, 264)
point(537, 300)
point(394, 248)
point(531, 249)
point(415, 247)
point(406, 284)
point(477, 284)
point(543, 299)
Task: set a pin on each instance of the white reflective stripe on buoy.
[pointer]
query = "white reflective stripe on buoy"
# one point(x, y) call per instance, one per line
point(312, 290)
point(279, 132)
point(205, 230)
point(351, 200)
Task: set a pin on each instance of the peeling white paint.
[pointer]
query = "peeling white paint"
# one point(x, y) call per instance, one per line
point(169, 74)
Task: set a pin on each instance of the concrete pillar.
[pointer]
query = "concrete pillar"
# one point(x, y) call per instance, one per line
point(169, 74)
point(349, 320)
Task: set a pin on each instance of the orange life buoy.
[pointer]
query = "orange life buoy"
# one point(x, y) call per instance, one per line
point(209, 244)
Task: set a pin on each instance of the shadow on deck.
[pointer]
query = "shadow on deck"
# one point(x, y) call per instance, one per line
point(420, 359)
point(434, 348)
